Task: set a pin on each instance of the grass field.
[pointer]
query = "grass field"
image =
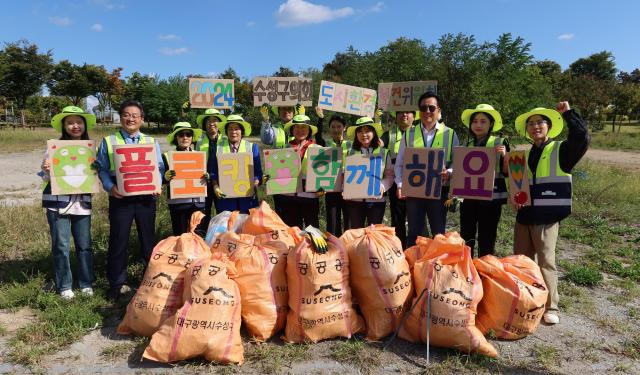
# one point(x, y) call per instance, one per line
point(605, 221)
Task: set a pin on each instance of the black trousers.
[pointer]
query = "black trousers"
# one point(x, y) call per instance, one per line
point(122, 213)
point(209, 202)
point(435, 211)
point(337, 214)
point(481, 217)
point(362, 214)
point(181, 216)
point(277, 204)
point(398, 210)
point(300, 212)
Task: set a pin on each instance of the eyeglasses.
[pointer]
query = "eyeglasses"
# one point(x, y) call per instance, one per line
point(185, 134)
point(428, 108)
point(539, 123)
point(130, 115)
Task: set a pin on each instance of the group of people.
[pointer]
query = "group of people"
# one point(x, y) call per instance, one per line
point(536, 230)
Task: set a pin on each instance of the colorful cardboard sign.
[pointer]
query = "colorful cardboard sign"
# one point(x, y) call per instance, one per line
point(363, 177)
point(71, 171)
point(324, 169)
point(518, 178)
point(282, 91)
point(283, 167)
point(190, 166)
point(347, 99)
point(137, 169)
point(474, 170)
point(235, 174)
point(421, 172)
point(403, 96)
point(211, 93)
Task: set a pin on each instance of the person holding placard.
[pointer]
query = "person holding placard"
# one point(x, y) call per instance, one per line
point(481, 217)
point(235, 128)
point(274, 134)
point(365, 135)
point(301, 209)
point(124, 210)
point(69, 214)
point(429, 134)
point(392, 139)
point(182, 137)
point(335, 206)
point(208, 122)
point(550, 163)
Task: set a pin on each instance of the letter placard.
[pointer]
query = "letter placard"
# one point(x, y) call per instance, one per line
point(474, 169)
point(363, 177)
point(518, 178)
point(403, 96)
point(421, 172)
point(282, 91)
point(235, 174)
point(211, 93)
point(347, 99)
point(71, 171)
point(283, 167)
point(190, 167)
point(324, 169)
point(136, 169)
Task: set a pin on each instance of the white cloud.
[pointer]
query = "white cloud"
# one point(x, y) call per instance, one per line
point(300, 12)
point(173, 51)
point(251, 23)
point(566, 37)
point(169, 37)
point(212, 75)
point(97, 27)
point(60, 21)
point(107, 4)
point(377, 7)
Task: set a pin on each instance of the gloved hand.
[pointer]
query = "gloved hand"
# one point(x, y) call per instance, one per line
point(206, 176)
point(95, 166)
point(317, 238)
point(169, 175)
point(299, 109)
point(377, 115)
point(264, 111)
point(265, 178)
point(320, 193)
point(219, 193)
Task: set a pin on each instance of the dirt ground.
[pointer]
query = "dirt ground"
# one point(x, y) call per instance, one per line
point(585, 341)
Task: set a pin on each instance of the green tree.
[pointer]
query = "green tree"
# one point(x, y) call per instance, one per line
point(70, 80)
point(23, 72)
point(624, 97)
point(599, 65)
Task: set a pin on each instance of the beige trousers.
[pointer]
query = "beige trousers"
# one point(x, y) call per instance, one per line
point(538, 242)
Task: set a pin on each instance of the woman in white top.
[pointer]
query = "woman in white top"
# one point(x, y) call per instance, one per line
point(365, 135)
point(70, 214)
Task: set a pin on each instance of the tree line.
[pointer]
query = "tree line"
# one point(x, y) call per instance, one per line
point(503, 73)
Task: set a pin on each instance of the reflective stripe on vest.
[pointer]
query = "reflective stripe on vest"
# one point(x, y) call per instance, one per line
point(550, 186)
point(346, 145)
point(442, 139)
point(202, 144)
point(117, 139)
point(60, 201)
point(224, 147)
point(499, 183)
point(281, 137)
point(394, 140)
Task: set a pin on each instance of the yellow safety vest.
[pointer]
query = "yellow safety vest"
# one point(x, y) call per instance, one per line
point(442, 139)
point(550, 186)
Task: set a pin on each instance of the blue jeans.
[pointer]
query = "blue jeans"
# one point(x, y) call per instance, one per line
point(62, 227)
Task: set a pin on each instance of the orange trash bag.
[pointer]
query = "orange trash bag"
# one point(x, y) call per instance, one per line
point(262, 219)
point(319, 294)
point(380, 277)
point(208, 323)
point(262, 279)
point(161, 291)
point(514, 296)
point(448, 290)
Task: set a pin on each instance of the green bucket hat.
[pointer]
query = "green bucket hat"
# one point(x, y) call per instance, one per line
point(362, 121)
point(301, 120)
point(557, 123)
point(483, 108)
point(210, 112)
point(183, 126)
point(222, 126)
point(89, 119)
point(416, 114)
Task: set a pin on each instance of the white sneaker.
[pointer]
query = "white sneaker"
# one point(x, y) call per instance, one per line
point(87, 291)
point(67, 294)
point(551, 318)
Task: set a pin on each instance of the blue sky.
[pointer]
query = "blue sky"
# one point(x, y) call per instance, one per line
point(256, 37)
